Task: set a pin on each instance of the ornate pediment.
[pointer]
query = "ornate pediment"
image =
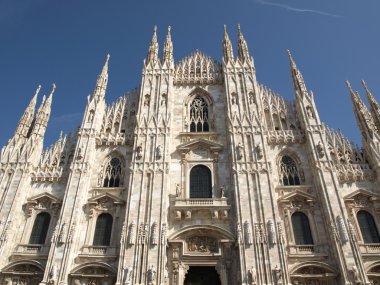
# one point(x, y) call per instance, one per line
point(106, 200)
point(42, 202)
point(362, 198)
point(200, 147)
point(297, 200)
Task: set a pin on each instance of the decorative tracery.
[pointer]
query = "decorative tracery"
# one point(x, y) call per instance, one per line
point(289, 172)
point(112, 173)
point(199, 115)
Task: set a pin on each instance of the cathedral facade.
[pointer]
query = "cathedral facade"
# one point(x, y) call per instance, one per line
point(201, 175)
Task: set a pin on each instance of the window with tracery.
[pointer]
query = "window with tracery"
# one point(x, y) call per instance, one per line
point(289, 171)
point(200, 182)
point(103, 230)
point(199, 115)
point(40, 228)
point(301, 229)
point(368, 227)
point(112, 173)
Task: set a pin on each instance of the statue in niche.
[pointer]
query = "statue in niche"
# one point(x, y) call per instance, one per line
point(277, 275)
point(251, 276)
point(222, 192)
point(159, 151)
point(128, 270)
point(309, 112)
point(355, 275)
point(320, 151)
point(239, 150)
point(139, 151)
point(151, 275)
point(178, 191)
point(239, 234)
point(91, 116)
point(259, 151)
point(79, 155)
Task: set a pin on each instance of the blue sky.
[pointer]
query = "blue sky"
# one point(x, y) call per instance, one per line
point(66, 42)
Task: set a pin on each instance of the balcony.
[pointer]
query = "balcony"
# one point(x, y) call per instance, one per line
point(99, 251)
point(31, 250)
point(285, 137)
point(308, 250)
point(370, 248)
point(187, 208)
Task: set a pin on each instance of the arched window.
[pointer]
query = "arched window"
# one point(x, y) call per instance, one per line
point(112, 173)
point(199, 121)
point(200, 182)
point(103, 230)
point(301, 229)
point(40, 229)
point(289, 171)
point(368, 227)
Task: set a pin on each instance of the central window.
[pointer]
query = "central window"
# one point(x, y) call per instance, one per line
point(199, 115)
point(200, 182)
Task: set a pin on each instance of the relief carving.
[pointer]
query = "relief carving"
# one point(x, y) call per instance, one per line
point(202, 244)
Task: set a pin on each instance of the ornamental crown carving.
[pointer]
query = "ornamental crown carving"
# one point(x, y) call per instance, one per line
point(198, 68)
point(42, 202)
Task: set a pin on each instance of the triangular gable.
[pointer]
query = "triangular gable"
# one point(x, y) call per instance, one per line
point(361, 192)
point(41, 196)
point(97, 198)
point(297, 194)
point(200, 142)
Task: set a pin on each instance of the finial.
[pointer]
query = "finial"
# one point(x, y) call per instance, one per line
point(225, 28)
point(365, 86)
point(349, 85)
point(53, 89)
point(289, 55)
point(108, 57)
point(155, 28)
point(169, 28)
point(238, 28)
point(38, 89)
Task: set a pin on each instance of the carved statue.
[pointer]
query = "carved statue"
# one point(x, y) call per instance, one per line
point(251, 276)
point(320, 151)
point(259, 151)
point(159, 151)
point(139, 151)
point(128, 271)
point(239, 151)
point(151, 275)
point(222, 192)
point(178, 191)
point(277, 275)
point(238, 231)
point(355, 275)
point(248, 233)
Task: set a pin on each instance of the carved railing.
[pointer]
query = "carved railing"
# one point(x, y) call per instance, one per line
point(218, 207)
point(31, 249)
point(354, 172)
point(307, 249)
point(110, 139)
point(49, 174)
point(370, 248)
point(98, 250)
point(285, 137)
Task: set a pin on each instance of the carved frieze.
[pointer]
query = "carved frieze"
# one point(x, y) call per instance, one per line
point(202, 245)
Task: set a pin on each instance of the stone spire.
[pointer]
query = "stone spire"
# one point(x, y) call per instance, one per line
point(167, 55)
point(43, 114)
point(243, 53)
point(101, 82)
point(363, 116)
point(374, 105)
point(228, 54)
point(153, 48)
point(298, 81)
point(27, 118)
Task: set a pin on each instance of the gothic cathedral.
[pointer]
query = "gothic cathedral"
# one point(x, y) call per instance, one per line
point(200, 176)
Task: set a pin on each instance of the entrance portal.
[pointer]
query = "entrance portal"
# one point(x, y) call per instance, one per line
point(202, 275)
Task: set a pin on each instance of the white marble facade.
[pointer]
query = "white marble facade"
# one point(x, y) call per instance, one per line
point(200, 169)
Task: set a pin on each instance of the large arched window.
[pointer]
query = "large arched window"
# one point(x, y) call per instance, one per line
point(200, 182)
point(301, 229)
point(289, 171)
point(199, 115)
point(40, 228)
point(368, 227)
point(103, 230)
point(112, 173)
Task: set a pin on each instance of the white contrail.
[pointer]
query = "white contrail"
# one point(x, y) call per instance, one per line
point(294, 9)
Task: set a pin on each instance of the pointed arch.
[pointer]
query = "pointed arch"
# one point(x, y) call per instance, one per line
point(290, 170)
point(112, 171)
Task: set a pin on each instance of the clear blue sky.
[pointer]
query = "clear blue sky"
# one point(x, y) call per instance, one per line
point(66, 42)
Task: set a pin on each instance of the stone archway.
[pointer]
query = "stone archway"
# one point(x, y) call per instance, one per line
point(202, 275)
point(22, 273)
point(197, 249)
point(374, 274)
point(313, 274)
point(93, 274)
